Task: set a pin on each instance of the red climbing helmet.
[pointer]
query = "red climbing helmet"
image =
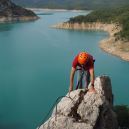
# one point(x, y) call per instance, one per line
point(83, 58)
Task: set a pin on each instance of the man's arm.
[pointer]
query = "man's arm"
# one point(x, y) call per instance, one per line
point(92, 77)
point(72, 79)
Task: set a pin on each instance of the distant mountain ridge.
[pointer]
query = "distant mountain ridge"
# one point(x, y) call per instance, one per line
point(72, 4)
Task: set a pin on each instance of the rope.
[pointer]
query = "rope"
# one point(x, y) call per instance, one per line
point(55, 104)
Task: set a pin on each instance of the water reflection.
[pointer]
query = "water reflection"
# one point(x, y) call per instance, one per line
point(5, 27)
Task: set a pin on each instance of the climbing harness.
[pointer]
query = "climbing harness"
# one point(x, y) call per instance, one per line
point(82, 70)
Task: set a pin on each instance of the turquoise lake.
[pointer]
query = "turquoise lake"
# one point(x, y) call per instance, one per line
point(35, 63)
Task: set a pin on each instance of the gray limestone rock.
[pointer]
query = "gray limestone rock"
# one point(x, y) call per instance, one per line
point(85, 110)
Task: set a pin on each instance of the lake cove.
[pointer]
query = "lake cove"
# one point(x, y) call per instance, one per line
point(35, 67)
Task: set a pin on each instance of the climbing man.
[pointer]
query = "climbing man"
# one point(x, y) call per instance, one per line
point(83, 62)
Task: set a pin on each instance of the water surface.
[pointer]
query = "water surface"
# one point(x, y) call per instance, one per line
point(35, 63)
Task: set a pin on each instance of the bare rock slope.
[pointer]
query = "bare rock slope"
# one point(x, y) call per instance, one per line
point(11, 12)
point(85, 110)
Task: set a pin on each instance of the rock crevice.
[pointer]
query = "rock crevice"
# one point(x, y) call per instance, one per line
point(74, 109)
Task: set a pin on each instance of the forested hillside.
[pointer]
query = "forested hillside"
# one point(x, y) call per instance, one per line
point(10, 12)
point(72, 4)
point(113, 15)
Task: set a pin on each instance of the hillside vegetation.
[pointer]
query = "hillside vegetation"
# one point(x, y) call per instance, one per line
point(113, 15)
point(10, 12)
point(72, 4)
point(122, 112)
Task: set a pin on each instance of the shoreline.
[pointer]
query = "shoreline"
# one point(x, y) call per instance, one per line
point(115, 48)
point(15, 19)
point(110, 45)
point(57, 10)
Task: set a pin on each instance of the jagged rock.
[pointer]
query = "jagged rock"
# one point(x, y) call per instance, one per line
point(11, 12)
point(85, 110)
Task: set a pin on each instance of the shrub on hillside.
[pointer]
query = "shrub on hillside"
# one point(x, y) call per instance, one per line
point(122, 112)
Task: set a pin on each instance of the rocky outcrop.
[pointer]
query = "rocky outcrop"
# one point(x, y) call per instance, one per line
point(85, 110)
point(110, 28)
point(10, 12)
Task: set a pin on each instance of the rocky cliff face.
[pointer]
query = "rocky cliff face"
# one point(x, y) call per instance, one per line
point(85, 110)
point(11, 12)
point(110, 28)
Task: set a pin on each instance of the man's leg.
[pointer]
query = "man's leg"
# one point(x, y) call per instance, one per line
point(86, 79)
point(79, 79)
